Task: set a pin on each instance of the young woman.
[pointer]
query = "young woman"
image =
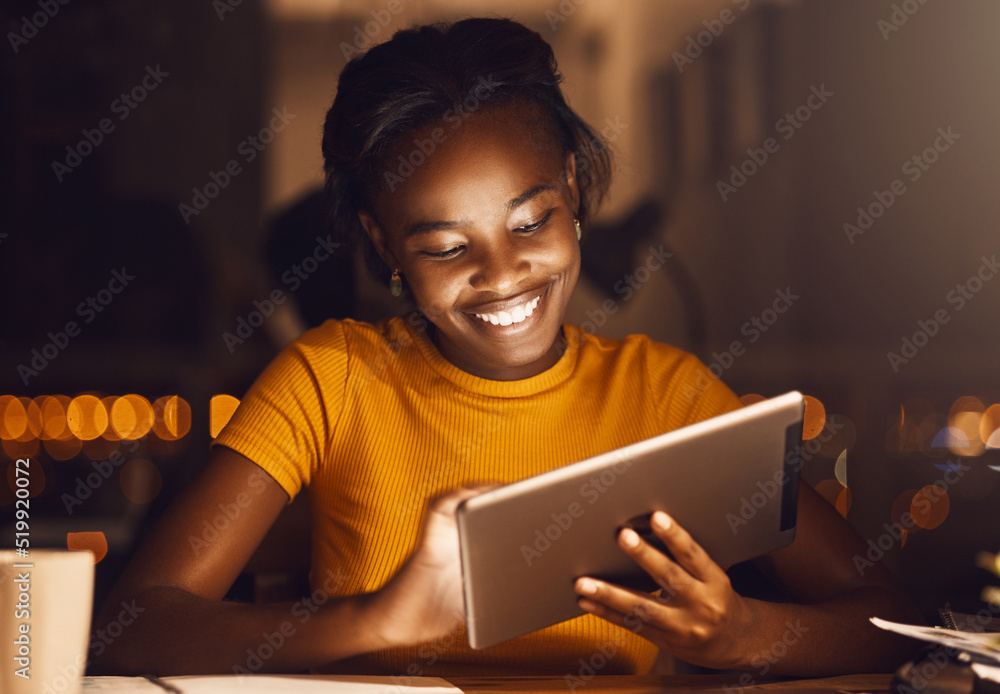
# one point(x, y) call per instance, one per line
point(451, 154)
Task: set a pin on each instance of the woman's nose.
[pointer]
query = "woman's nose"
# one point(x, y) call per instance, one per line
point(501, 270)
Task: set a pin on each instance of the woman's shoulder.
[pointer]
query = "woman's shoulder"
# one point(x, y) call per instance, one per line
point(343, 333)
point(635, 346)
point(687, 385)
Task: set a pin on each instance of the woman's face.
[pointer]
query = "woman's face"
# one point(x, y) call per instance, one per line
point(483, 232)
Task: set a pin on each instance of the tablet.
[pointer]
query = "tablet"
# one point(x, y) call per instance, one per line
point(731, 481)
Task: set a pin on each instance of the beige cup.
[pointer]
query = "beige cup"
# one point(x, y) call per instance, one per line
point(46, 601)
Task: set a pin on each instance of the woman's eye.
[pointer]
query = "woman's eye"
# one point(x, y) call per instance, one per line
point(537, 225)
point(444, 254)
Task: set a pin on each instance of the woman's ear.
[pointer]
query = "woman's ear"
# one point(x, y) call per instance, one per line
point(378, 238)
point(569, 170)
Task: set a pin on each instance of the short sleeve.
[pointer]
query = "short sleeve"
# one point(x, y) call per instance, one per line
point(284, 422)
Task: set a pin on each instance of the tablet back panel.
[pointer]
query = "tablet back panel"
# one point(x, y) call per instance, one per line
point(730, 481)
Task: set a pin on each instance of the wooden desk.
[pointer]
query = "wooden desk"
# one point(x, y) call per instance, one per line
point(607, 684)
point(646, 684)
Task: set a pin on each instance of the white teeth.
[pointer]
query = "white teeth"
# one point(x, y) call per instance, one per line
point(515, 315)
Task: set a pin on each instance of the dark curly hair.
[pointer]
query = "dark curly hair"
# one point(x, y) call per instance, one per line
point(422, 75)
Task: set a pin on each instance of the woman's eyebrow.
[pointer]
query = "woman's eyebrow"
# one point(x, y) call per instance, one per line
point(428, 227)
point(527, 196)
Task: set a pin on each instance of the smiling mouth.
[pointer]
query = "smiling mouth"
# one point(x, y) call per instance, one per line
point(514, 315)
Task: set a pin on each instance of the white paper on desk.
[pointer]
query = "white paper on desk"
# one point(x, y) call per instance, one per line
point(119, 685)
point(275, 684)
point(980, 643)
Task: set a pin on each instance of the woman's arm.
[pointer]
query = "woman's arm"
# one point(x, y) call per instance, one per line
point(168, 605)
point(826, 570)
point(701, 619)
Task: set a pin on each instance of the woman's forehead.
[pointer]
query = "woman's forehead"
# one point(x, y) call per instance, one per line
point(472, 168)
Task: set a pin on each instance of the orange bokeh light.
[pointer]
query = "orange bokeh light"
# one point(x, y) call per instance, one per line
point(173, 417)
point(95, 542)
point(86, 417)
point(966, 403)
point(20, 449)
point(92, 417)
point(814, 419)
point(53, 409)
point(13, 419)
point(63, 449)
point(843, 504)
point(131, 416)
point(109, 431)
point(989, 426)
point(32, 420)
point(830, 490)
point(964, 422)
point(220, 411)
point(930, 507)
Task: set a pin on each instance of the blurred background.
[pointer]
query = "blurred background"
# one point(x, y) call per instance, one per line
point(802, 199)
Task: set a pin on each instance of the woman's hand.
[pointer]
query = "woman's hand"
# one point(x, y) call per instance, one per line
point(698, 616)
point(424, 600)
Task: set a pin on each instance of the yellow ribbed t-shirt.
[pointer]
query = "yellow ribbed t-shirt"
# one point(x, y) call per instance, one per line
point(376, 422)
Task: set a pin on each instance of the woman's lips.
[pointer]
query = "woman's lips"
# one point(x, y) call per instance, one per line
point(514, 315)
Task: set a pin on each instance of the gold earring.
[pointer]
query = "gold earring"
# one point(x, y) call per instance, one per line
point(395, 284)
point(579, 231)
